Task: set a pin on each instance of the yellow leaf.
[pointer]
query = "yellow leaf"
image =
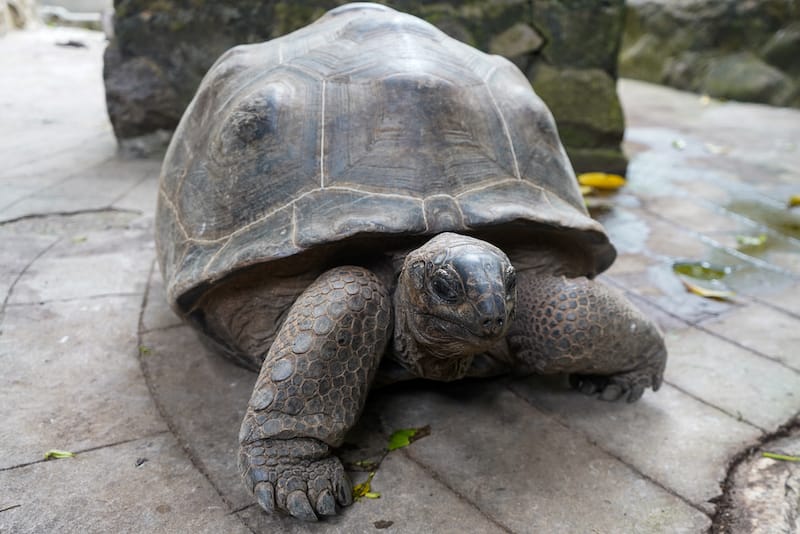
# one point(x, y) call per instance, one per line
point(707, 292)
point(601, 180)
point(794, 200)
point(364, 490)
point(55, 453)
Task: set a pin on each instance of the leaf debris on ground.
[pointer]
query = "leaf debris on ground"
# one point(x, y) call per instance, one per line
point(364, 490)
point(794, 201)
point(751, 241)
point(600, 180)
point(781, 457)
point(406, 436)
point(54, 454)
point(707, 292)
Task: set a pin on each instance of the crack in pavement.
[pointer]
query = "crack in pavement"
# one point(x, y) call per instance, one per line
point(88, 449)
point(105, 209)
point(720, 521)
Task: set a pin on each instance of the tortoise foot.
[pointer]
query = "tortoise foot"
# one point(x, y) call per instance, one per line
point(628, 386)
point(296, 476)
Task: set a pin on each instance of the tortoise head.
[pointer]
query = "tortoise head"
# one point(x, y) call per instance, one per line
point(458, 295)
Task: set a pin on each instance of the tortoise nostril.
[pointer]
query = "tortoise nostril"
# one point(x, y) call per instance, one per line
point(493, 325)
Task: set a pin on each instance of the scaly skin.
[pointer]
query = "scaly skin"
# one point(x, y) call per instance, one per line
point(310, 392)
point(582, 327)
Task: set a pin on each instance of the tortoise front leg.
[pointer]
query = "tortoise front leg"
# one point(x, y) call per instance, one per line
point(582, 327)
point(310, 392)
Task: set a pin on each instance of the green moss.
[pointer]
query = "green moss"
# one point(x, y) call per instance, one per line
point(584, 104)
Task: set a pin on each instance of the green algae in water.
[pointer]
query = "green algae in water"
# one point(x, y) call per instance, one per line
point(701, 270)
point(781, 219)
point(704, 278)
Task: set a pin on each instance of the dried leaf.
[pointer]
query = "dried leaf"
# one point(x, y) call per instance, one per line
point(751, 241)
point(79, 239)
point(144, 351)
point(782, 457)
point(364, 490)
point(601, 180)
point(794, 200)
point(706, 292)
point(678, 144)
point(56, 454)
point(407, 436)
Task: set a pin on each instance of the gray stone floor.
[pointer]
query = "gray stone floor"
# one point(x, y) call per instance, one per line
point(94, 362)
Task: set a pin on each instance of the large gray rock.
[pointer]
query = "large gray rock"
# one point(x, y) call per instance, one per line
point(162, 49)
point(747, 51)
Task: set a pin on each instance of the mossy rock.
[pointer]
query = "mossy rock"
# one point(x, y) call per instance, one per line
point(597, 159)
point(580, 34)
point(745, 77)
point(585, 104)
point(783, 50)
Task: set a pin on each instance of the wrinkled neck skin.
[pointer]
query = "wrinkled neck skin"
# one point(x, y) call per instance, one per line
point(455, 298)
point(421, 354)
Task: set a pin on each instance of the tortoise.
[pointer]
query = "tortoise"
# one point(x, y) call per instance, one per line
point(365, 201)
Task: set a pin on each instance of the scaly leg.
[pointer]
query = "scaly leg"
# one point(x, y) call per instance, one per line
point(310, 392)
point(582, 327)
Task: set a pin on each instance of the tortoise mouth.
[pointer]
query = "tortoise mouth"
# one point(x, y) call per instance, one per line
point(450, 338)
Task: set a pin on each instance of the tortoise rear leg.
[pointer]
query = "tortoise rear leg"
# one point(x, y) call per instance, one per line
point(310, 392)
point(582, 327)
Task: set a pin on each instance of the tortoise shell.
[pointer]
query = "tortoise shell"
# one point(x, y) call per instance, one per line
point(366, 123)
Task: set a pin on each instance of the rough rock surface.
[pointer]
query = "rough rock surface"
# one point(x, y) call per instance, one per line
point(764, 494)
point(747, 51)
point(568, 49)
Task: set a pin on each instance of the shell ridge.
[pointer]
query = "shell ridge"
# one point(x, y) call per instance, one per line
point(322, 137)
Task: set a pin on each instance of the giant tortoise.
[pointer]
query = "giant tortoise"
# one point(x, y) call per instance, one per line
point(367, 200)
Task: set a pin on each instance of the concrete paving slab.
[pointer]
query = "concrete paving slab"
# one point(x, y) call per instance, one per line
point(410, 501)
point(87, 265)
point(732, 378)
point(203, 397)
point(72, 382)
point(146, 485)
point(527, 470)
point(19, 250)
point(157, 314)
point(787, 301)
point(142, 197)
point(764, 330)
point(680, 442)
point(95, 188)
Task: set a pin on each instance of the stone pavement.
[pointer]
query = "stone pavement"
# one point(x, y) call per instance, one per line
point(95, 363)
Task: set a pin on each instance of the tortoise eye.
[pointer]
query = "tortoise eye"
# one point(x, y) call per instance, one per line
point(444, 286)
